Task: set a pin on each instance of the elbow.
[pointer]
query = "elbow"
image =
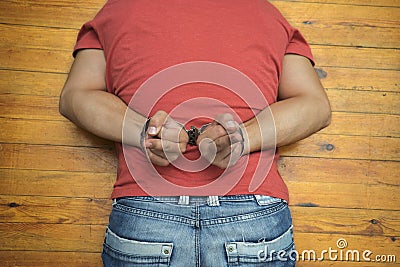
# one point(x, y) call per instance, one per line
point(64, 107)
point(326, 114)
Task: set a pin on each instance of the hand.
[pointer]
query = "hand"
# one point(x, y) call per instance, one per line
point(221, 143)
point(165, 139)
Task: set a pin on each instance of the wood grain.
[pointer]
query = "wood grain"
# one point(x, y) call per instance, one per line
point(52, 132)
point(32, 59)
point(56, 179)
point(46, 107)
point(50, 84)
point(49, 259)
point(82, 211)
point(17, 182)
point(95, 184)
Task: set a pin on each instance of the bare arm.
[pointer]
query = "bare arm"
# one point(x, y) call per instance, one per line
point(303, 108)
point(85, 101)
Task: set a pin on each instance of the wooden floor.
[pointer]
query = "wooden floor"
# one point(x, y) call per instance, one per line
point(55, 179)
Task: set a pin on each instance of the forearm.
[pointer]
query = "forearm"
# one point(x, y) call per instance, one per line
point(102, 114)
point(286, 122)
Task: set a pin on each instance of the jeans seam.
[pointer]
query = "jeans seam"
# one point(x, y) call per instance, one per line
point(153, 215)
point(245, 217)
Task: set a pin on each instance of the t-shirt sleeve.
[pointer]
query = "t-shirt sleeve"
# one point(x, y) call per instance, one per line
point(87, 38)
point(299, 46)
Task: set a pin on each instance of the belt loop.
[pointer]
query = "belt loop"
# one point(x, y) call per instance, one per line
point(114, 201)
point(263, 200)
point(213, 201)
point(183, 200)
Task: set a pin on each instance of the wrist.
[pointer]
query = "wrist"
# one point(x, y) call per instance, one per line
point(245, 140)
point(143, 134)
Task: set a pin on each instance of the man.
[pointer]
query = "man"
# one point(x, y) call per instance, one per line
point(172, 83)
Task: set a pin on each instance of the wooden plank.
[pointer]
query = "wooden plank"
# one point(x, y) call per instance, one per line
point(377, 3)
point(341, 146)
point(341, 171)
point(57, 183)
point(347, 34)
point(339, 14)
point(362, 58)
point(89, 4)
point(346, 221)
point(20, 58)
point(99, 185)
point(48, 133)
point(32, 107)
point(61, 158)
point(318, 242)
point(51, 237)
point(43, 13)
point(49, 259)
point(31, 83)
point(36, 209)
point(37, 37)
point(347, 25)
point(361, 79)
point(364, 101)
point(335, 195)
point(382, 125)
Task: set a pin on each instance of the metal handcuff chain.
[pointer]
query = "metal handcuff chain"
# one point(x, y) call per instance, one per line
point(193, 133)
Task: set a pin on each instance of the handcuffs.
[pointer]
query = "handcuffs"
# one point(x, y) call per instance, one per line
point(193, 133)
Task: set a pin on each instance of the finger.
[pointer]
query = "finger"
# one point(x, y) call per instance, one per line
point(156, 122)
point(155, 159)
point(213, 132)
point(164, 146)
point(165, 149)
point(228, 157)
point(222, 143)
point(227, 121)
point(208, 149)
point(177, 135)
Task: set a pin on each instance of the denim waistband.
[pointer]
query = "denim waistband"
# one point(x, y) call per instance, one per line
point(210, 200)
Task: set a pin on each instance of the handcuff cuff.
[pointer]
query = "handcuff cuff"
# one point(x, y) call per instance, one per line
point(193, 133)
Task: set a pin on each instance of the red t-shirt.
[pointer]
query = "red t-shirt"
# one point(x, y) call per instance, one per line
point(143, 38)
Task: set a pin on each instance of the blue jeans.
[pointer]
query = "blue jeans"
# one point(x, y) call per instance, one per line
point(242, 230)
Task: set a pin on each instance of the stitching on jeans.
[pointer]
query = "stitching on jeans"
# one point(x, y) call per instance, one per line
point(245, 217)
point(153, 214)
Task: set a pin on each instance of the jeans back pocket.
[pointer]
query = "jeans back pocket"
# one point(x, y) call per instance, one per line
point(277, 252)
point(119, 251)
